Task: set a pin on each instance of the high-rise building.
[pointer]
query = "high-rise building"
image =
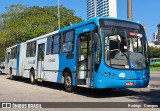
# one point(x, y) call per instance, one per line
point(101, 8)
point(158, 33)
point(155, 38)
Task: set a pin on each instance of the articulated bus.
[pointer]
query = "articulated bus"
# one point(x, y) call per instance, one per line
point(98, 53)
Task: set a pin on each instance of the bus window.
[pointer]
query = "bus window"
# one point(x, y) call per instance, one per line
point(41, 49)
point(8, 57)
point(68, 42)
point(97, 43)
point(28, 49)
point(13, 52)
point(31, 49)
point(52, 44)
point(55, 44)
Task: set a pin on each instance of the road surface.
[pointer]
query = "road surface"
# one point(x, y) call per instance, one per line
point(20, 90)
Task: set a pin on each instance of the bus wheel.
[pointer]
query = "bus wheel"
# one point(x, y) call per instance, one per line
point(32, 77)
point(68, 82)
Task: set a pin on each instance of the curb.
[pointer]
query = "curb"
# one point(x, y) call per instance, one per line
point(155, 72)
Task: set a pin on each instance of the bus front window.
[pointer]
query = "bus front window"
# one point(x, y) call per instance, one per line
point(124, 51)
point(116, 51)
point(137, 51)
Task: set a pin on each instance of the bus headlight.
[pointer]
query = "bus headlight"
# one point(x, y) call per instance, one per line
point(145, 75)
point(107, 74)
point(112, 75)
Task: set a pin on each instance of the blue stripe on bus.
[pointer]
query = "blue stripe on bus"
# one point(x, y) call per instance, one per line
point(18, 61)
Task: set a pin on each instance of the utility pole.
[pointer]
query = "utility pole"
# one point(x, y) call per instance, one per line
point(59, 21)
point(129, 9)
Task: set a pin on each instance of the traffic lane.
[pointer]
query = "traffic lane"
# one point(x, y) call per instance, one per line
point(21, 90)
point(46, 89)
point(155, 79)
point(155, 74)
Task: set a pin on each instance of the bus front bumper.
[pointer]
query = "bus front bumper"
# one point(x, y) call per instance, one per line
point(104, 82)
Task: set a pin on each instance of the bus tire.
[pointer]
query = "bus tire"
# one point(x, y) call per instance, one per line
point(32, 77)
point(68, 82)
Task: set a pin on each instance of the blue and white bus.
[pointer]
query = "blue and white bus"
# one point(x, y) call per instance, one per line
point(98, 53)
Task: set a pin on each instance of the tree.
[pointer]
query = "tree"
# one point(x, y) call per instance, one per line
point(20, 23)
point(154, 52)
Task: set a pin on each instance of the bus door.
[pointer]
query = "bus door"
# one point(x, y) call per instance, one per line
point(40, 61)
point(85, 59)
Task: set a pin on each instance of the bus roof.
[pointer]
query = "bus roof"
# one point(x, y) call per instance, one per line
point(43, 36)
point(13, 46)
point(93, 20)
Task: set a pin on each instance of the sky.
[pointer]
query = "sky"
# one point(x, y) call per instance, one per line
point(144, 11)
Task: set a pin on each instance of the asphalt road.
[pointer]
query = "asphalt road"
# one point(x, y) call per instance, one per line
point(20, 90)
point(155, 76)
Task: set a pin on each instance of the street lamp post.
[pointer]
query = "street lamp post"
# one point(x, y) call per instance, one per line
point(129, 9)
point(59, 16)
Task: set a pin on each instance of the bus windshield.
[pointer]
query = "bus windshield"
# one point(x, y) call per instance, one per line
point(125, 48)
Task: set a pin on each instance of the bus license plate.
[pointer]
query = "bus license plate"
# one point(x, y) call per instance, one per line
point(129, 83)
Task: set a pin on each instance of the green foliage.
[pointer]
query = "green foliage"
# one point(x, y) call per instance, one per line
point(155, 65)
point(155, 69)
point(20, 23)
point(154, 52)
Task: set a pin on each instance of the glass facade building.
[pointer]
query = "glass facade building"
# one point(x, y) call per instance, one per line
point(158, 38)
point(101, 8)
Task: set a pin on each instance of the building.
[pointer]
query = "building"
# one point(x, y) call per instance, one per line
point(155, 38)
point(101, 8)
point(158, 33)
point(151, 44)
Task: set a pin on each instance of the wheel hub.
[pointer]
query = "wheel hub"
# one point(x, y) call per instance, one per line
point(68, 81)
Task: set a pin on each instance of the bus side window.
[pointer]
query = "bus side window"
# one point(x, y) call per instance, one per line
point(8, 57)
point(55, 44)
point(98, 52)
point(13, 52)
point(28, 50)
point(31, 49)
point(68, 42)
